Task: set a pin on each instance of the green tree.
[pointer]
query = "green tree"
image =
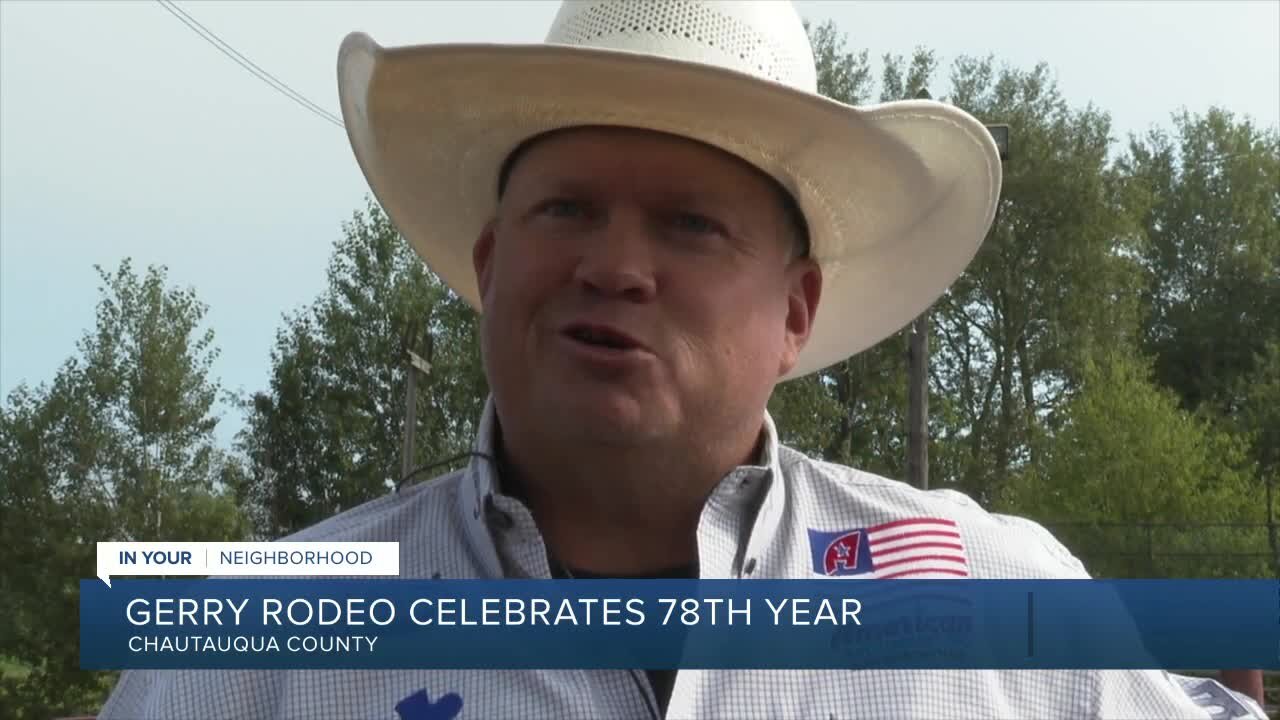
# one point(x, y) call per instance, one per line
point(1207, 195)
point(327, 434)
point(1053, 283)
point(1142, 479)
point(119, 446)
point(1259, 421)
point(1259, 414)
point(1208, 199)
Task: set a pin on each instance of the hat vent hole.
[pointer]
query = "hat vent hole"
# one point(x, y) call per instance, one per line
point(740, 43)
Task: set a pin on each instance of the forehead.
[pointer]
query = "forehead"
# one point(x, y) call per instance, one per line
point(583, 152)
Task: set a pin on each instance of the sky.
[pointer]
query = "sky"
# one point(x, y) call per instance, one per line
point(123, 134)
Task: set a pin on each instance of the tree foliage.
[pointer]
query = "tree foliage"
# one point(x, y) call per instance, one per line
point(1153, 491)
point(119, 446)
point(327, 434)
point(1078, 290)
point(1207, 195)
point(1048, 287)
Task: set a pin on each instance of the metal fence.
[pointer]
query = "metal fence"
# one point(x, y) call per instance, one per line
point(1173, 550)
point(1179, 550)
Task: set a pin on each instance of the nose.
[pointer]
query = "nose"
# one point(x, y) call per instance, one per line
point(618, 262)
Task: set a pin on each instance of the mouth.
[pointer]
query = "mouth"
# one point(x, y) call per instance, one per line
point(603, 337)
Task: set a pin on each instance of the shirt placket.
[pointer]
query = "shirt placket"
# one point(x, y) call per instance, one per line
point(522, 553)
point(737, 524)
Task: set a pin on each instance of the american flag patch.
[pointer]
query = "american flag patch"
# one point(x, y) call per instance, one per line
point(919, 548)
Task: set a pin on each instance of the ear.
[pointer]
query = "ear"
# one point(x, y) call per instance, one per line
point(482, 258)
point(804, 289)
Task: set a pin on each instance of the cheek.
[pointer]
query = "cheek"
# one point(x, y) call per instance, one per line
point(733, 325)
point(514, 273)
point(522, 282)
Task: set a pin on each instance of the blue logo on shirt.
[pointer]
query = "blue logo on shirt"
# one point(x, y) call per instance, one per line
point(418, 706)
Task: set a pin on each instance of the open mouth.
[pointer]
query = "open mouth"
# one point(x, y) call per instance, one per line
point(601, 337)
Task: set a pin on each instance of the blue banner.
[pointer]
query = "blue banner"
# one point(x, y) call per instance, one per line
point(382, 624)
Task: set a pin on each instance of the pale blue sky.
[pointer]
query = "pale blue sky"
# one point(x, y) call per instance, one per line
point(124, 134)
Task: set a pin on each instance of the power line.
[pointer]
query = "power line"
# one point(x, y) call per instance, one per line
point(244, 62)
point(253, 68)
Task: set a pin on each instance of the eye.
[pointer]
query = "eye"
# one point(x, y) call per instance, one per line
point(563, 208)
point(696, 224)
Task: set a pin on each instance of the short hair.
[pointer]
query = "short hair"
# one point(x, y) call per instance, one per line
point(796, 222)
point(800, 247)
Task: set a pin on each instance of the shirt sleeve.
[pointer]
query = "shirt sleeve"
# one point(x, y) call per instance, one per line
point(1221, 702)
point(1159, 694)
point(205, 694)
point(1138, 693)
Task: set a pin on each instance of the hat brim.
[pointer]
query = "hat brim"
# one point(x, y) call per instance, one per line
point(898, 197)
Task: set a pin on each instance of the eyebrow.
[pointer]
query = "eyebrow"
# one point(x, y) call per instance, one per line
point(793, 215)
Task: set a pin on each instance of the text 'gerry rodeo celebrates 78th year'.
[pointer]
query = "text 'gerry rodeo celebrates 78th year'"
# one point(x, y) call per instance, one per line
point(356, 612)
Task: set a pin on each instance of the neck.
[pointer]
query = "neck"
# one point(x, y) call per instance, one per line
point(619, 511)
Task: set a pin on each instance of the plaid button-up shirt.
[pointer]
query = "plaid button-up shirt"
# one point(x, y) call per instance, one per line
point(756, 524)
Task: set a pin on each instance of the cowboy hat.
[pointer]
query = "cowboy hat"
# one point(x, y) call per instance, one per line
point(897, 196)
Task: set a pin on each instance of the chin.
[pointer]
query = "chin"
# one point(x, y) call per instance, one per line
point(611, 417)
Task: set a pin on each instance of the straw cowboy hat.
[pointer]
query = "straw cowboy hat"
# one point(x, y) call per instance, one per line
point(898, 196)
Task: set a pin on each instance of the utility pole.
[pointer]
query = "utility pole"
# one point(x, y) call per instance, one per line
point(918, 403)
point(1271, 523)
point(918, 358)
point(918, 392)
point(413, 365)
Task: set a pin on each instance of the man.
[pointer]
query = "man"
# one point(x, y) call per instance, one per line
point(658, 229)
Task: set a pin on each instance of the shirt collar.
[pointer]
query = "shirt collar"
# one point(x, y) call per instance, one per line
point(766, 496)
point(475, 495)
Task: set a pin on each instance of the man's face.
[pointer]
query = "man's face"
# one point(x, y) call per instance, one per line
point(639, 287)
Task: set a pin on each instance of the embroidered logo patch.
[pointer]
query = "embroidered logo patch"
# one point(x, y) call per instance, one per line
point(418, 706)
point(915, 547)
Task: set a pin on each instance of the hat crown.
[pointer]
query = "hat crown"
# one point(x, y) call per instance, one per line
point(764, 39)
